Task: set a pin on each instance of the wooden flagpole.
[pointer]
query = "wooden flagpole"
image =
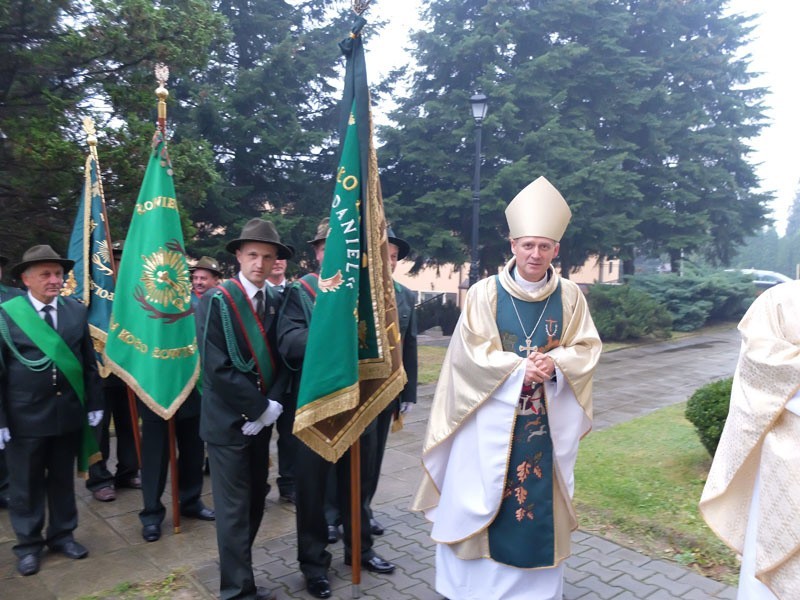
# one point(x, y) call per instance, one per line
point(355, 516)
point(162, 75)
point(359, 6)
point(91, 141)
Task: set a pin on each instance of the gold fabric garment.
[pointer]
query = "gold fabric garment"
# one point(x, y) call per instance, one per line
point(476, 365)
point(760, 434)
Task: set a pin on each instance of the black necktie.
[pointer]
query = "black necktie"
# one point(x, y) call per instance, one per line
point(260, 304)
point(48, 317)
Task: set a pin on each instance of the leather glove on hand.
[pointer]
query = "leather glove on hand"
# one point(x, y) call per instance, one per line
point(267, 418)
point(5, 436)
point(405, 407)
point(95, 416)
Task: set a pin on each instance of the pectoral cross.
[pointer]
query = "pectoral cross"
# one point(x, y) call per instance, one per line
point(527, 347)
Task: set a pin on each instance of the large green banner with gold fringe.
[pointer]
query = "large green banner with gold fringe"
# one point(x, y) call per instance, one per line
point(152, 341)
point(352, 367)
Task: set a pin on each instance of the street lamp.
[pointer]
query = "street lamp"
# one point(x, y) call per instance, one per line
point(478, 102)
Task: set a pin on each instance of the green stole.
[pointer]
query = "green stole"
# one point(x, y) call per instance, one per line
point(255, 335)
point(522, 533)
point(54, 347)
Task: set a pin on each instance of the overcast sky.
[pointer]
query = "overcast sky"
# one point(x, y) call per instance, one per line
point(775, 50)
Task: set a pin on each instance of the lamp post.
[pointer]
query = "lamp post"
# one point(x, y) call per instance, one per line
point(478, 102)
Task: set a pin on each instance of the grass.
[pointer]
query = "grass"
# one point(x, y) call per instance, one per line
point(174, 586)
point(430, 360)
point(639, 483)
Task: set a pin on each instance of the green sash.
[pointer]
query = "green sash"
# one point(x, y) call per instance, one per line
point(54, 347)
point(252, 328)
point(309, 285)
point(48, 341)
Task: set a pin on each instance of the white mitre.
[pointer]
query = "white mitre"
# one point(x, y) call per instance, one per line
point(538, 211)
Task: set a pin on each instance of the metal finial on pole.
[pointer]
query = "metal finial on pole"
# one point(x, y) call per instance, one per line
point(359, 6)
point(162, 75)
point(91, 137)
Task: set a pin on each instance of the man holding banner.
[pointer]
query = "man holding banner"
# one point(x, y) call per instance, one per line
point(313, 472)
point(242, 382)
point(48, 386)
point(341, 393)
point(152, 341)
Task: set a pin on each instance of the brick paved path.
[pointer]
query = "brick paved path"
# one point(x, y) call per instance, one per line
point(629, 383)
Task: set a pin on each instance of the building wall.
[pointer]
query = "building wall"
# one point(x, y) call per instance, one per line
point(453, 281)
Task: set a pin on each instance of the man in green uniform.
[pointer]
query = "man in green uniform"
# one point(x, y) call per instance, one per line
point(313, 471)
point(242, 384)
point(406, 300)
point(49, 387)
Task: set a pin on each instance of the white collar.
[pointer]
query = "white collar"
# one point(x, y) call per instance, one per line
point(529, 286)
point(40, 305)
point(250, 287)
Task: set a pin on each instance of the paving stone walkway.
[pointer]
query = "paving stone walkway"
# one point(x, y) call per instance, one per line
point(629, 383)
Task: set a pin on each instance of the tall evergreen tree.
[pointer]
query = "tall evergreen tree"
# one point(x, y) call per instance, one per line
point(793, 222)
point(267, 106)
point(697, 186)
point(637, 111)
point(60, 61)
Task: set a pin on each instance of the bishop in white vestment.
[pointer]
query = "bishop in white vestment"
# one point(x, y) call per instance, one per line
point(512, 402)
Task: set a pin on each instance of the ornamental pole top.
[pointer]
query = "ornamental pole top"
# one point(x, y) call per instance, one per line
point(88, 128)
point(359, 6)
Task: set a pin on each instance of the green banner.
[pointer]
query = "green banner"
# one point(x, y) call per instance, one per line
point(152, 342)
point(332, 377)
point(91, 280)
point(355, 312)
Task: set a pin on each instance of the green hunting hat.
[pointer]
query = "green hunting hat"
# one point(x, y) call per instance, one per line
point(323, 229)
point(116, 248)
point(259, 230)
point(402, 246)
point(40, 254)
point(207, 263)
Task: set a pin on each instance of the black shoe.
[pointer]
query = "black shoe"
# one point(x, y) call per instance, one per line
point(133, 483)
point(71, 549)
point(263, 593)
point(374, 565)
point(204, 514)
point(105, 494)
point(289, 497)
point(319, 587)
point(375, 527)
point(28, 564)
point(151, 533)
point(333, 534)
point(3, 501)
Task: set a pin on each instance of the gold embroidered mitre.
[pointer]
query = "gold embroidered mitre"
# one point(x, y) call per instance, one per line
point(539, 210)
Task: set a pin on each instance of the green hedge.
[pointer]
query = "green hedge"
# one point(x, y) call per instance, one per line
point(623, 312)
point(694, 300)
point(707, 410)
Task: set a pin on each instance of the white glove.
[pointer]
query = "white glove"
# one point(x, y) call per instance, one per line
point(95, 416)
point(5, 436)
point(405, 407)
point(267, 418)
